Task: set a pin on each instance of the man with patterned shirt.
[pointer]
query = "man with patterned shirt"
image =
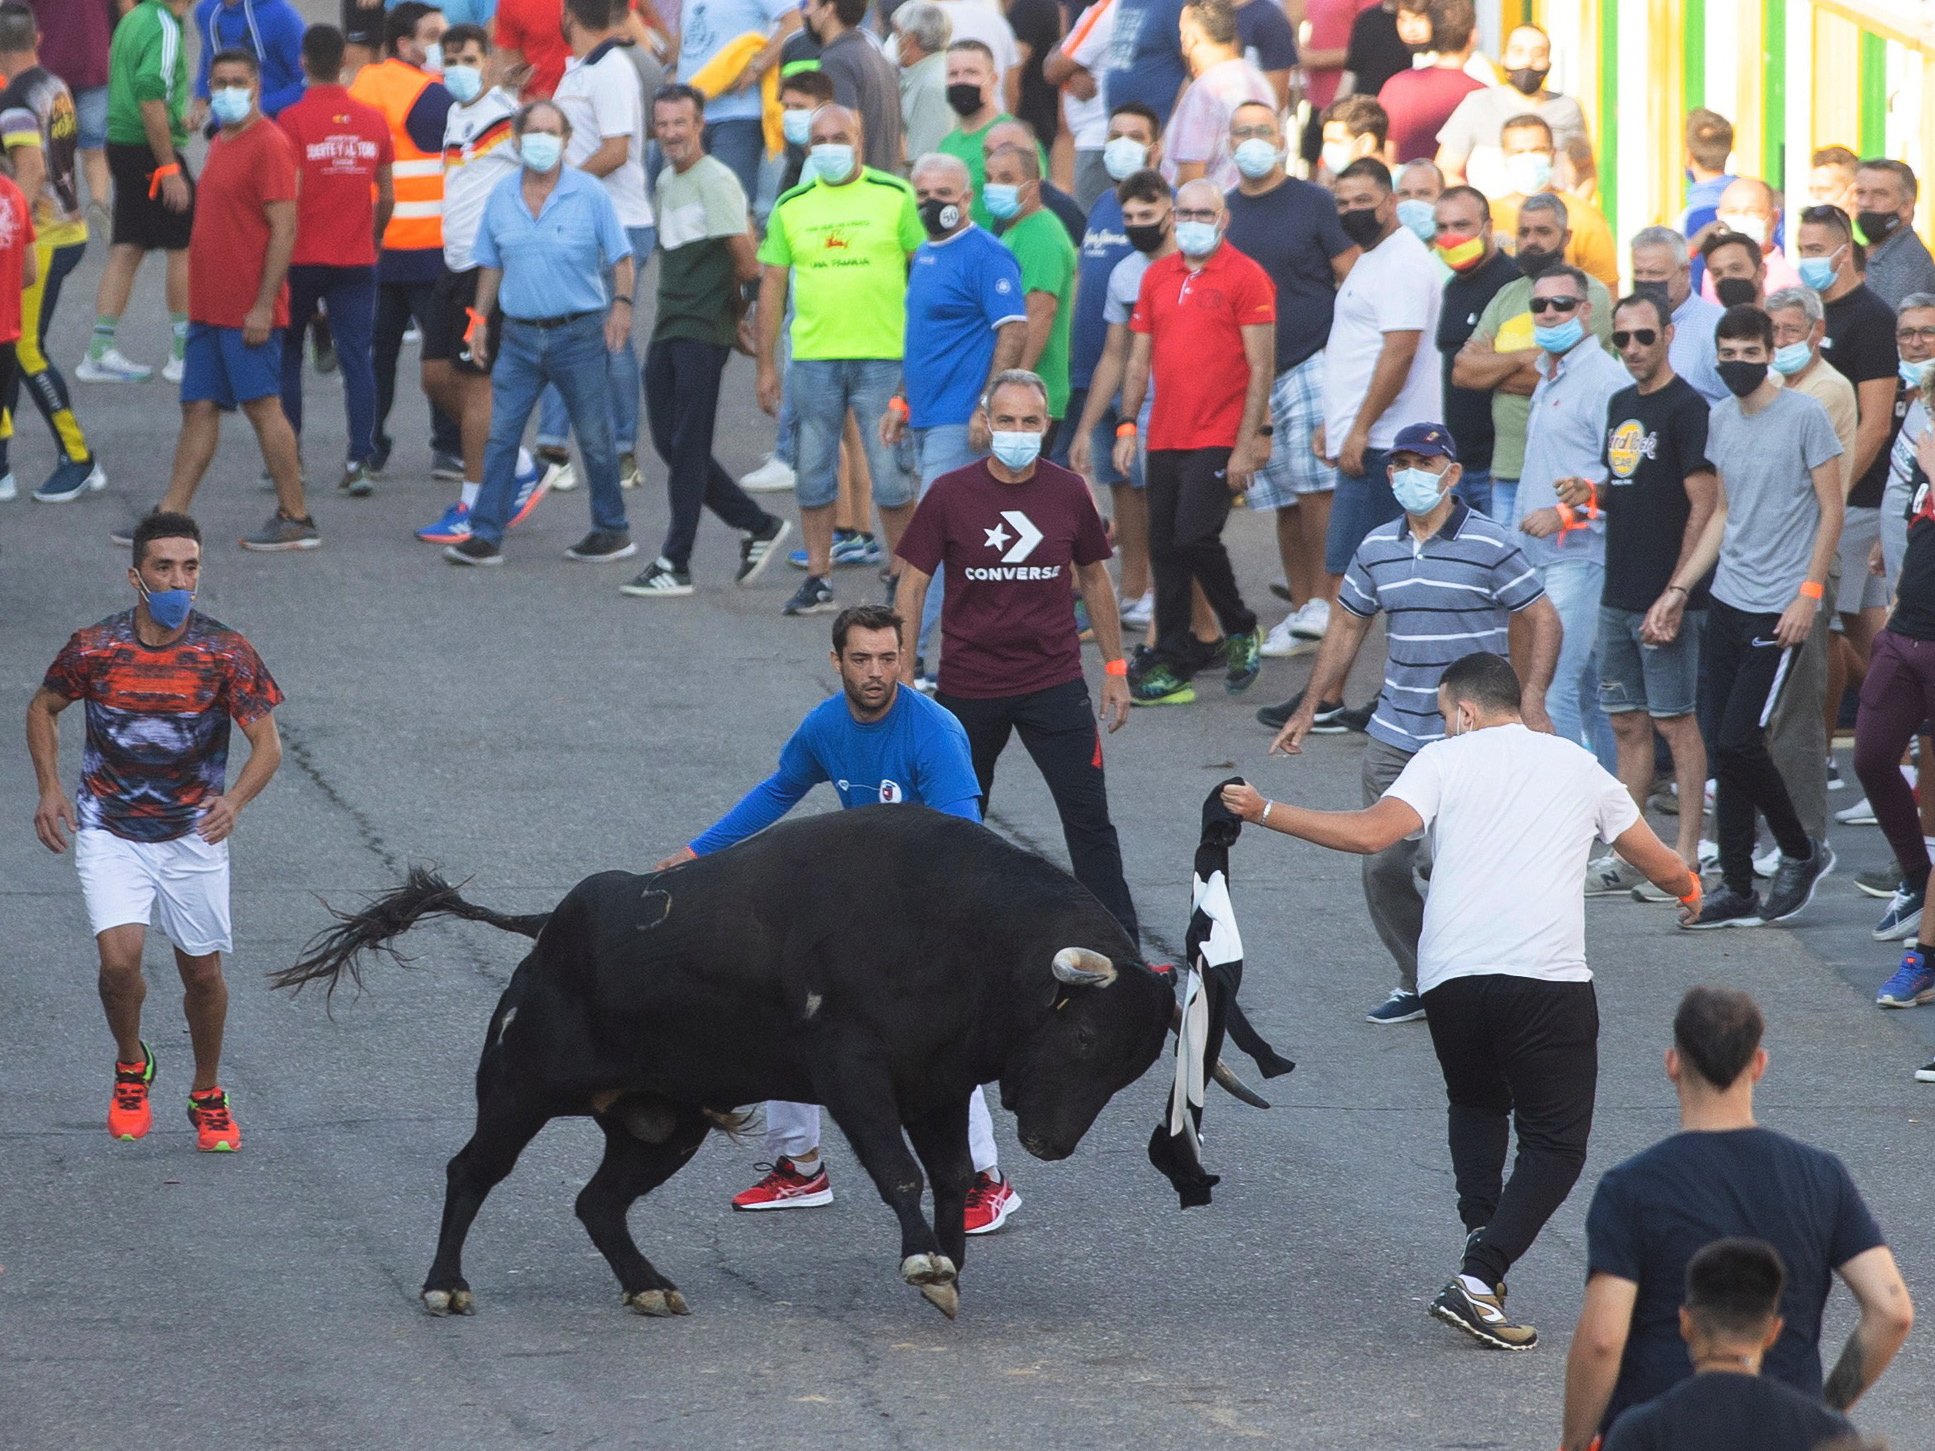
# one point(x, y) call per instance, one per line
point(151, 821)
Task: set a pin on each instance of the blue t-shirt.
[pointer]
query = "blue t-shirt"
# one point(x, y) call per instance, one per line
point(958, 292)
point(917, 752)
point(1103, 245)
point(1144, 61)
point(706, 27)
point(1292, 233)
point(554, 264)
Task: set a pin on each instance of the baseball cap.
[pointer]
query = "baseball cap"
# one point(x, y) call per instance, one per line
point(1431, 439)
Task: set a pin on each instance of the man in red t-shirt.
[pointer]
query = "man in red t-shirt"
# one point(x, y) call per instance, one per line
point(1420, 101)
point(238, 302)
point(344, 157)
point(18, 268)
point(528, 32)
point(1204, 327)
point(1019, 536)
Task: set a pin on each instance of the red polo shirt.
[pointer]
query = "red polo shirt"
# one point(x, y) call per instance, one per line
point(340, 143)
point(1197, 364)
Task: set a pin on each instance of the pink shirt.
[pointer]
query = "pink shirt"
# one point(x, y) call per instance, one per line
point(1199, 129)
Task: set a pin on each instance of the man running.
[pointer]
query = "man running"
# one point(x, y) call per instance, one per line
point(876, 743)
point(151, 821)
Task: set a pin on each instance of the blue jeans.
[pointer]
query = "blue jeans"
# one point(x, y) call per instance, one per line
point(1363, 501)
point(1575, 587)
point(1504, 509)
point(572, 358)
point(823, 390)
point(1475, 488)
point(349, 295)
point(554, 428)
point(938, 450)
point(741, 145)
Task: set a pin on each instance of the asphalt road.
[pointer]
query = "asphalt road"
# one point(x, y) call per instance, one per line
point(523, 727)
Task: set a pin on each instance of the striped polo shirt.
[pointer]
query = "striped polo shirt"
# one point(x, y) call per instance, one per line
point(1445, 596)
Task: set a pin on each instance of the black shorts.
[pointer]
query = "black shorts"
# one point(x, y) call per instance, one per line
point(452, 298)
point(363, 25)
point(141, 220)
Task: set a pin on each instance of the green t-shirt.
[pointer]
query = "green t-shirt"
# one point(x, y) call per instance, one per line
point(967, 146)
point(699, 210)
point(1506, 323)
point(147, 61)
point(848, 247)
point(1047, 258)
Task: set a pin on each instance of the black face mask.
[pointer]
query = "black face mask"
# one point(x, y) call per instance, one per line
point(1734, 291)
point(1362, 227)
point(1741, 378)
point(1534, 263)
point(1877, 226)
point(964, 99)
point(1659, 293)
point(1527, 81)
point(1148, 237)
point(939, 217)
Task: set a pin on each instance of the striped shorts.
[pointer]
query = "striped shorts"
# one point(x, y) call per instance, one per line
point(1296, 408)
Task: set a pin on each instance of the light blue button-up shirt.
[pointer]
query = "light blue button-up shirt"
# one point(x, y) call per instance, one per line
point(554, 263)
point(1565, 438)
point(1694, 351)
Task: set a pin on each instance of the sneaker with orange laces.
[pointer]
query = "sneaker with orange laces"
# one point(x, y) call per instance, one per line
point(129, 1116)
point(216, 1131)
point(785, 1187)
point(989, 1203)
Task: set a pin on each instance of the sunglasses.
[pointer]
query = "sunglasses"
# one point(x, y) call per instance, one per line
point(1644, 336)
point(1555, 304)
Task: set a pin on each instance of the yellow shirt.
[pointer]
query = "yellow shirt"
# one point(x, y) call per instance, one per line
point(1592, 249)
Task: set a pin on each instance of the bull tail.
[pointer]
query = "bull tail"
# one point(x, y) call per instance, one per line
point(338, 950)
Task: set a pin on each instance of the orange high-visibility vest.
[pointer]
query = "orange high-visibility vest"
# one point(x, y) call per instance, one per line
point(393, 86)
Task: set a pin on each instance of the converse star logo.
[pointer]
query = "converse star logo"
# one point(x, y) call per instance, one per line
point(997, 537)
point(1026, 536)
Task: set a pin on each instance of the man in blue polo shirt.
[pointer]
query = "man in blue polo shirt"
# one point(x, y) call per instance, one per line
point(966, 323)
point(1448, 579)
point(877, 744)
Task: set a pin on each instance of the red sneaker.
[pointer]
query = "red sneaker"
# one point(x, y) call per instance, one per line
point(784, 1187)
point(989, 1203)
point(216, 1131)
point(129, 1116)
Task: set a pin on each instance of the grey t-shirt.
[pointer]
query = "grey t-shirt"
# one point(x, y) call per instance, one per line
point(1765, 464)
point(866, 80)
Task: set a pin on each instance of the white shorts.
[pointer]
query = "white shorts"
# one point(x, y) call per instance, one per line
point(182, 885)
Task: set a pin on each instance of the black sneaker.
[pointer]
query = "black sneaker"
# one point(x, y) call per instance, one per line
point(813, 597)
point(446, 466)
point(473, 551)
point(1277, 716)
point(601, 545)
point(1882, 882)
point(282, 534)
point(1199, 655)
point(1344, 720)
point(760, 549)
point(1724, 907)
point(1794, 881)
point(1245, 658)
point(660, 580)
point(1926, 1073)
point(1482, 1316)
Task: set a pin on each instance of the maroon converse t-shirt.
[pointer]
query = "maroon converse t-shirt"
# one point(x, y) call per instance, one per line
point(1008, 622)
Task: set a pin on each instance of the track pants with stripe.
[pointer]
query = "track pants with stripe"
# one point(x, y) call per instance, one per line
point(1747, 669)
point(43, 379)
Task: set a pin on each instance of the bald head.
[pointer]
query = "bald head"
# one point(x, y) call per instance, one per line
point(1007, 133)
point(1200, 195)
point(1421, 181)
point(834, 123)
point(1747, 205)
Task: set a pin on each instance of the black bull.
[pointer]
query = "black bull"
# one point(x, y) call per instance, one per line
point(881, 962)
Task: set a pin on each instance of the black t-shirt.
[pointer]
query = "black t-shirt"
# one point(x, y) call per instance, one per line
point(1653, 441)
point(1861, 345)
point(1914, 614)
point(1292, 233)
point(1037, 24)
point(1468, 411)
point(1653, 1213)
point(1728, 1411)
point(1262, 28)
point(1374, 53)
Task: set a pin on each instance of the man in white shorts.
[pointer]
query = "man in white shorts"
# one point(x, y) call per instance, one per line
point(151, 821)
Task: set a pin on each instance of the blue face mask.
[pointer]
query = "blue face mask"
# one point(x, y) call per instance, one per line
point(1123, 157)
point(1913, 374)
point(1419, 217)
point(1001, 200)
point(1257, 158)
point(1016, 450)
point(1527, 172)
point(832, 161)
point(1196, 239)
point(465, 82)
point(540, 150)
point(1791, 359)
point(168, 607)
point(1561, 339)
point(795, 124)
point(433, 56)
point(230, 104)
point(1417, 490)
point(1817, 273)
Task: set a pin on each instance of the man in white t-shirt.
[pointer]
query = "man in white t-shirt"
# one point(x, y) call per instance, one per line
point(1378, 375)
point(1076, 66)
point(1509, 814)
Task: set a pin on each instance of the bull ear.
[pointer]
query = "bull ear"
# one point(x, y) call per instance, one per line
point(1079, 967)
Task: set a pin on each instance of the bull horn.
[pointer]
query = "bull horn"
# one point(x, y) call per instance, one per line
point(1223, 1073)
point(1079, 967)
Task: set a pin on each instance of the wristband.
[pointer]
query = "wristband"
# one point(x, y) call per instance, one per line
point(478, 323)
point(1116, 667)
point(1266, 812)
point(1682, 589)
point(897, 406)
point(1125, 430)
point(1692, 899)
point(1809, 590)
point(616, 300)
point(160, 174)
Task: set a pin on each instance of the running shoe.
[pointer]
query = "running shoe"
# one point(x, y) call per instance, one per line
point(1904, 914)
point(1882, 882)
point(111, 367)
point(1725, 907)
point(446, 467)
point(1244, 655)
point(171, 371)
point(355, 481)
point(1312, 620)
point(843, 540)
point(9, 487)
point(775, 476)
point(1612, 876)
point(1912, 985)
point(1283, 642)
point(1859, 814)
point(452, 528)
point(282, 534)
point(473, 550)
point(759, 549)
point(1400, 1007)
point(1466, 1305)
point(601, 546)
point(533, 483)
point(1137, 613)
point(216, 1131)
point(1159, 685)
point(989, 1203)
point(1344, 720)
point(1794, 882)
point(629, 476)
point(559, 473)
point(857, 549)
point(1277, 716)
point(813, 597)
point(129, 1115)
point(659, 580)
point(784, 1187)
point(69, 481)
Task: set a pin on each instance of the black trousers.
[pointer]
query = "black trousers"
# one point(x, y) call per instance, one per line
point(398, 304)
point(682, 407)
point(1516, 1053)
point(1746, 667)
point(1188, 503)
point(1058, 728)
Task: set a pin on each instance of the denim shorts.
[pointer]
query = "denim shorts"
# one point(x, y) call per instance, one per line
point(218, 367)
point(91, 114)
point(1662, 680)
point(823, 391)
point(1296, 408)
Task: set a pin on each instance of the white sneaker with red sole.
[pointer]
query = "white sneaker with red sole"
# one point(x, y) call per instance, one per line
point(989, 1203)
point(784, 1187)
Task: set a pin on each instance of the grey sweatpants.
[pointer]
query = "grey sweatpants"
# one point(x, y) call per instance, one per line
point(1391, 876)
point(1797, 735)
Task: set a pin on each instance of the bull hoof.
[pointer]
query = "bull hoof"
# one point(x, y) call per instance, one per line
point(945, 1298)
point(927, 1270)
point(658, 1303)
point(449, 1302)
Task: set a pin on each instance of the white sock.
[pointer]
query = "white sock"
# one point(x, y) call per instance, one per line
point(470, 493)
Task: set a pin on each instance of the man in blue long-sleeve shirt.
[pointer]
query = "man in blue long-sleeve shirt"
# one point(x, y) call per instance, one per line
point(876, 743)
point(270, 30)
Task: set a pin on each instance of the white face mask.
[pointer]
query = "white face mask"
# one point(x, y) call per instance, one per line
point(1123, 156)
point(1337, 156)
point(1749, 224)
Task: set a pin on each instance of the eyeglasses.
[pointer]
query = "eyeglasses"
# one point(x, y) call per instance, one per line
point(1922, 335)
point(1555, 304)
point(1199, 215)
point(1644, 336)
point(1253, 133)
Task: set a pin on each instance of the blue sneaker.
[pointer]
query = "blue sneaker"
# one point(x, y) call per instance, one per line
point(1399, 1007)
point(68, 482)
point(452, 528)
point(1912, 985)
point(858, 549)
point(840, 536)
point(533, 483)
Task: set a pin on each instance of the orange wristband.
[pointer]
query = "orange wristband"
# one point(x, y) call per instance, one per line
point(478, 323)
point(1115, 667)
point(897, 406)
point(1810, 590)
point(160, 174)
point(1125, 430)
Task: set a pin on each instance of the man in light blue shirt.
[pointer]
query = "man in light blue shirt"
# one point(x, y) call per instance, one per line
point(732, 122)
point(549, 237)
point(1662, 272)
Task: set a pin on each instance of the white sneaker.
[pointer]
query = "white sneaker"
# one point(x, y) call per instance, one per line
point(1137, 613)
point(1612, 876)
point(775, 476)
point(171, 372)
point(9, 487)
point(1282, 642)
point(97, 480)
point(1311, 620)
point(559, 478)
point(1709, 855)
point(111, 367)
point(1767, 862)
point(1859, 814)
